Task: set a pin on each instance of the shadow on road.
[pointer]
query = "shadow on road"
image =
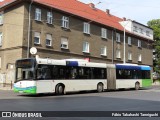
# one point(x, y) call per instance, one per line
point(80, 93)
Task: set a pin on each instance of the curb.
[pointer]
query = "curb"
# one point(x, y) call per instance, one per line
point(6, 88)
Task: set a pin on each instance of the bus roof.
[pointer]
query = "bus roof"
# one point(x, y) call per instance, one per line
point(68, 62)
point(132, 67)
point(79, 62)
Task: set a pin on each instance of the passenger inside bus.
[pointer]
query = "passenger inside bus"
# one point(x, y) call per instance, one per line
point(39, 74)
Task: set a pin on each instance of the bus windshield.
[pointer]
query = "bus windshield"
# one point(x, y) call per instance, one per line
point(25, 69)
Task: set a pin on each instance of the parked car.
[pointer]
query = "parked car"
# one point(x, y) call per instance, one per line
point(155, 76)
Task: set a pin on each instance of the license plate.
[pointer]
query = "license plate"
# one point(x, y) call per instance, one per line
point(20, 91)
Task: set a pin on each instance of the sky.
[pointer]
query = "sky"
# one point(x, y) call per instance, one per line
point(141, 11)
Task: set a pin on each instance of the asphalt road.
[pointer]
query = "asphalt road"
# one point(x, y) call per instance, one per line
point(121, 100)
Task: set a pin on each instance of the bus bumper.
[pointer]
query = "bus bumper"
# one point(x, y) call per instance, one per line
point(29, 90)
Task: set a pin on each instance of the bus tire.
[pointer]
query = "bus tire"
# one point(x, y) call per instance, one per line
point(137, 86)
point(100, 87)
point(59, 89)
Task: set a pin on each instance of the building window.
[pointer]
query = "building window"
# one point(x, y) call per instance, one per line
point(86, 47)
point(139, 43)
point(135, 28)
point(104, 33)
point(118, 37)
point(1, 18)
point(129, 41)
point(0, 62)
point(48, 40)
point(141, 30)
point(1, 38)
point(139, 57)
point(86, 28)
point(104, 51)
point(129, 55)
point(65, 22)
point(147, 33)
point(49, 17)
point(64, 43)
point(118, 53)
point(37, 38)
point(38, 14)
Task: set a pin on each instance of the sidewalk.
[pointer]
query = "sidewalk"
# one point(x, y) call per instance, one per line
point(156, 83)
point(5, 87)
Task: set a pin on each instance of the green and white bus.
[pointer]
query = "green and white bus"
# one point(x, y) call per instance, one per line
point(38, 75)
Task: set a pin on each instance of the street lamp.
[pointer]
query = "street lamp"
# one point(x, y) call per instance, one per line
point(124, 43)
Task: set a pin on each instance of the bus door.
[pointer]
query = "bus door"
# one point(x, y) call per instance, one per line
point(111, 78)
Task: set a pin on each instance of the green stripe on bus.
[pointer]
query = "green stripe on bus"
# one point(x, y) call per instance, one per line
point(31, 90)
point(146, 82)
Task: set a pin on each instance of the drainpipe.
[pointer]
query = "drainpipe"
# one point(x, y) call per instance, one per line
point(124, 43)
point(29, 27)
point(113, 46)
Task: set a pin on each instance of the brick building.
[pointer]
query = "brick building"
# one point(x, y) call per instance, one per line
point(63, 29)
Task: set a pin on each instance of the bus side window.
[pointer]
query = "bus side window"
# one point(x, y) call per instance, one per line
point(61, 73)
point(139, 73)
point(67, 73)
point(134, 74)
point(118, 74)
point(44, 72)
point(74, 73)
point(55, 72)
point(129, 74)
point(92, 73)
point(48, 73)
point(103, 72)
point(87, 73)
point(81, 73)
point(145, 74)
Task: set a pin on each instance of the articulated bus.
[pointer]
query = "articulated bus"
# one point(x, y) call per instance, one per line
point(39, 75)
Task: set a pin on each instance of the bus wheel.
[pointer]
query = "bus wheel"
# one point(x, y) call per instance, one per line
point(59, 89)
point(100, 87)
point(137, 86)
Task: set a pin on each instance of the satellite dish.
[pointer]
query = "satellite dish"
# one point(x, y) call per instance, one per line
point(33, 50)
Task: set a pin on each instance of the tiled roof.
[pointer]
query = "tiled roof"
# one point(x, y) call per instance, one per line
point(84, 10)
point(4, 2)
point(80, 9)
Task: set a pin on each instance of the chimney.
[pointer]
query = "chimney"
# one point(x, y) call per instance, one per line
point(92, 5)
point(124, 19)
point(108, 11)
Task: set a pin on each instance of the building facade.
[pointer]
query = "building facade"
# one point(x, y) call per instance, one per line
point(61, 31)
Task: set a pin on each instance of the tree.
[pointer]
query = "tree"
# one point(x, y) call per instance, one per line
point(155, 25)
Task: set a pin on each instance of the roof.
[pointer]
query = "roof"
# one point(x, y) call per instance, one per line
point(4, 2)
point(142, 24)
point(82, 10)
